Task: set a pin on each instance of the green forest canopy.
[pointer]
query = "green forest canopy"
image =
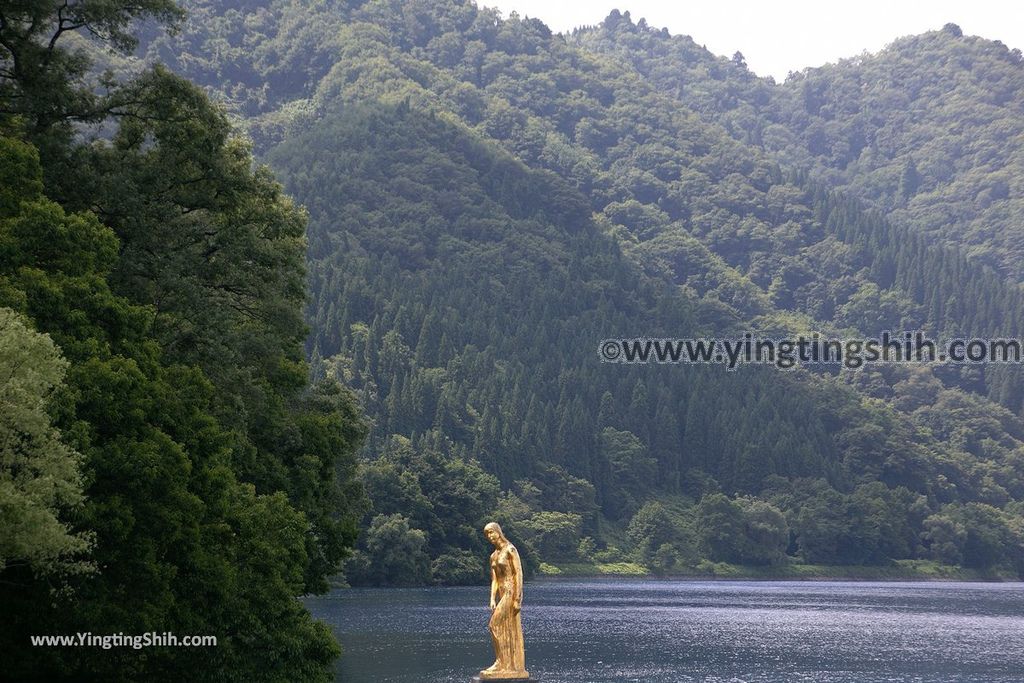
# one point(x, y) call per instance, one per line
point(488, 198)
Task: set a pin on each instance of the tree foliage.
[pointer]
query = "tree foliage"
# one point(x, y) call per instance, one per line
point(216, 483)
point(40, 478)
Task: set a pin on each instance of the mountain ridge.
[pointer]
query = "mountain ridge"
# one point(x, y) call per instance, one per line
point(750, 245)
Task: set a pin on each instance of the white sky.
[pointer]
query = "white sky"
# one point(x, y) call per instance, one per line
point(780, 36)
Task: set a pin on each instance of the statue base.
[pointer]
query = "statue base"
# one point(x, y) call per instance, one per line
point(530, 679)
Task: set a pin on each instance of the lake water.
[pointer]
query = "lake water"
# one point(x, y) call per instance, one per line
point(713, 631)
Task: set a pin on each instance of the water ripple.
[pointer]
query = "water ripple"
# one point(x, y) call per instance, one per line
point(708, 631)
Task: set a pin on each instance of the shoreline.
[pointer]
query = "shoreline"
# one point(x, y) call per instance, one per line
point(901, 570)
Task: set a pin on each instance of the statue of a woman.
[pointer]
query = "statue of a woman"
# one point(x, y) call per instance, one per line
point(506, 626)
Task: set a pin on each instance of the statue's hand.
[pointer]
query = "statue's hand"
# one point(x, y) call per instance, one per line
point(493, 604)
point(517, 605)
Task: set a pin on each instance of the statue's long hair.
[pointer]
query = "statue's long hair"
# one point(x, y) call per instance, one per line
point(494, 526)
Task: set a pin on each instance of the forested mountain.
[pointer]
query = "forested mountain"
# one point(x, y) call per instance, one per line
point(928, 129)
point(486, 201)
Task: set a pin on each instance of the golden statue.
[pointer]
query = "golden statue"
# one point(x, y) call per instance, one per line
point(506, 626)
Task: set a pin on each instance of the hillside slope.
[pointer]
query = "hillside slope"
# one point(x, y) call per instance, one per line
point(488, 200)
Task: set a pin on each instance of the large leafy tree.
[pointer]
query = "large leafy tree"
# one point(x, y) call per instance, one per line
point(181, 544)
point(219, 485)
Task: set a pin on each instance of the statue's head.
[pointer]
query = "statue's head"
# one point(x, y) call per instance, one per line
point(494, 534)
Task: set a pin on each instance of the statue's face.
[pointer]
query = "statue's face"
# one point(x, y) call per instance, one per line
point(492, 536)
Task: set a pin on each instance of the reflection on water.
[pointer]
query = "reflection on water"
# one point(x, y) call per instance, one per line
point(674, 631)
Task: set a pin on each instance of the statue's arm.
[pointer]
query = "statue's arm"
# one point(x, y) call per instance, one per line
point(517, 600)
point(494, 587)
